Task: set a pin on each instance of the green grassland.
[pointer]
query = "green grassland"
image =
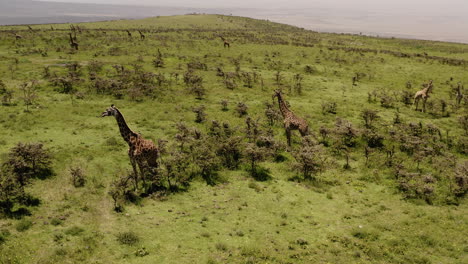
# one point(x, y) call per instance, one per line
point(354, 215)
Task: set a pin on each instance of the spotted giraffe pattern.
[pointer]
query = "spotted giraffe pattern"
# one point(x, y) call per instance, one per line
point(290, 120)
point(142, 152)
point(423, 95)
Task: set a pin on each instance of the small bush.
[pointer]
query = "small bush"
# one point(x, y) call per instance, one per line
point(463, 120)
point(364, 234)
point(329, 108)
point(56, 221)
point(120, 191)
point(221, 246)
point(255, 186)
point(386, 101)
point(128, 238)
point(28, 160)
point(373, 138)
point(77, 176)
point(23, 225)
point(462, 145)
point(272, 113)
point(254, 154)
point(461, 179)
point(74, 231)
point(369, 116)
point(60, 252)
point(95, 66)
point(158, 62)
point(194, 83)
point(224, 105)
point(241, 109)
point(3, 236)
point(5, 94)
point(205, 234)
point(310, 158)
point(407, 97)
point(309, 69)
point(302, 242)
point(200, 113)
point(260, 173)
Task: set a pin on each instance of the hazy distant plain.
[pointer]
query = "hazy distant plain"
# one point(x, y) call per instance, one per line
point(451, 28)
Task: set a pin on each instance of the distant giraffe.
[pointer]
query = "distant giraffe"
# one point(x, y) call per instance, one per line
point(459, 93)
point(423, 94)
point(73, 43)
point(142, 152)
point(226, 43)
point(17, 37)
point(74, 36)
point(291, 121)
point(129, 34)
point(142, 36)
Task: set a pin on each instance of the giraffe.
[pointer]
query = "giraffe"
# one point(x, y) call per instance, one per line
point(17, 37)
point(226, 43)
point(129, 34)
point(142, 36)
point(291, 121)
point(423, 94)
point(459, 93)
point(73, 43)
point(142, 152)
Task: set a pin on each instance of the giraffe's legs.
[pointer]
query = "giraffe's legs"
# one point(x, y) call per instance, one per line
point(416, 102)
point(135, 173)
point(142, 167)
point(288, 135)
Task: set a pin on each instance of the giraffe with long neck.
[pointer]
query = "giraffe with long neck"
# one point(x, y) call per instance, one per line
point(73, 43)
point(459, 93)
point(423, 95)
point(142, 152)
point(291, 121)
point(226, 43)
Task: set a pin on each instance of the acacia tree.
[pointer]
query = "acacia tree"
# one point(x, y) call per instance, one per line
point(310, 158)
point(369, 116)
point(463, 120)
point(29, 93)
point(254, 154)
point(6, 94)
point(24, 162)
point(461, 179)
point(28, 160)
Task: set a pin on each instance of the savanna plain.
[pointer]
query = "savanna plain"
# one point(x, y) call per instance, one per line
point(373, 181)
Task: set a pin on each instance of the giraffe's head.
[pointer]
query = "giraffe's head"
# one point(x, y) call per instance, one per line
point(111, 111)
point(430, 86)
point(276, 93)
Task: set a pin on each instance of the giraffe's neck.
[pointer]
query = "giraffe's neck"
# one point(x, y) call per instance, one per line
point(426, 90)
point(283, 107)
point(125, 131)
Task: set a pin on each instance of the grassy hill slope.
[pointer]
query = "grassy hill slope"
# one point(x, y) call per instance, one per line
point(361, 214)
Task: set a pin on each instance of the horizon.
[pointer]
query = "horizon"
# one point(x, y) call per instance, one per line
point(429, 20)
